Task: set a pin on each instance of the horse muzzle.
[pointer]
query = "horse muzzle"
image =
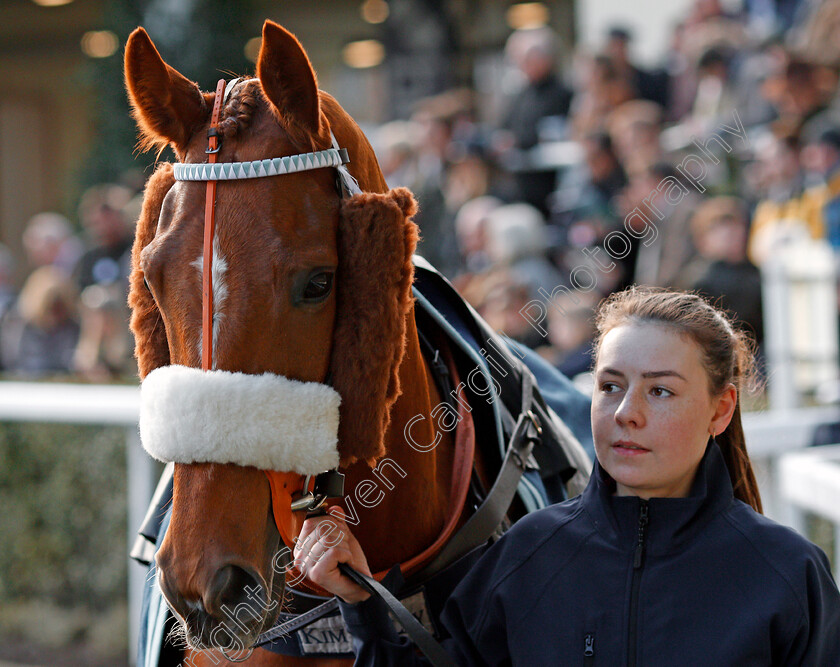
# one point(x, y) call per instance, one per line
point(286, 428)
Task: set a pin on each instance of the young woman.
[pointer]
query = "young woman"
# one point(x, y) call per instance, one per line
point(665, 558)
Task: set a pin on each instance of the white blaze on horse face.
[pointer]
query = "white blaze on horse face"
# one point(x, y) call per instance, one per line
point(220, 292)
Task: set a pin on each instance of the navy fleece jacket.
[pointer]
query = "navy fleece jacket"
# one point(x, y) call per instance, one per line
point(707, 582)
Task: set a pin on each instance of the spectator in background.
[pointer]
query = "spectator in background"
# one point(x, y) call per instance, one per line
point(105, 348)
point(682, 76)
point(803, 97)
point(40, 336)
point(589, 190)
point(816, 36)
point(606, 175)
point(752, 70)
point(517, 241)
point(48, 240)
point(499, 296)
point(721, 270)
point(541, 105)
point(396, 149)
point(659, 261)
point(471, 232)
point(601, 90)
point(822, 159)
point(769, 17)
point(786, 210)
point(571, 330)
point(714, 99)
point(635, 128)
point(646, 85)
point(103, 213)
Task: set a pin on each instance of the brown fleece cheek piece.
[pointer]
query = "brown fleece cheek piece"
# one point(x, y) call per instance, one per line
point(377, 239)
point(150, 345)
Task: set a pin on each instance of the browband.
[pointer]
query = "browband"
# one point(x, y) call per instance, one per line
point(268, 421)
point(230, 171)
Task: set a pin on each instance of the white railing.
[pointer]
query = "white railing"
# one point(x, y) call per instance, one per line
point(772, 436)
point(95, 404)
point(785, 469)
point(810, 482)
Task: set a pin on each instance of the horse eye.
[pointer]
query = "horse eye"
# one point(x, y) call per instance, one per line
point(318, 288)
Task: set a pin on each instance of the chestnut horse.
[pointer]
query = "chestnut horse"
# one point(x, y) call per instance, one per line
point(308, 286)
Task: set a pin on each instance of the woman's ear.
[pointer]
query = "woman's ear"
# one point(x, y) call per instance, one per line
point(376, 241)
point(725, 405)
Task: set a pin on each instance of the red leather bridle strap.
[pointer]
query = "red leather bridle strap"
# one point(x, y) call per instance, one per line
point(209, 233)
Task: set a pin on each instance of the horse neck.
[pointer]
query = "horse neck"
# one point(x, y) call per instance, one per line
point(412, 513)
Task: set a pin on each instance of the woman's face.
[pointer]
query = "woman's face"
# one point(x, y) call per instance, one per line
point(652, 413)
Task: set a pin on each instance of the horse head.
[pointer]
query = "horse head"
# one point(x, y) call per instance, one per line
point(309, 288)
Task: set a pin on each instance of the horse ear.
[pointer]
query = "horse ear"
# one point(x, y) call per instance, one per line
point(167, 106)
point(288, 80)
point(150, 344)
point(376, 240)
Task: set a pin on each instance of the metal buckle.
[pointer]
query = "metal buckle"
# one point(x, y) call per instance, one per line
point(214, 132)
point(308, 501)
point(327, 485)
point(535, 421)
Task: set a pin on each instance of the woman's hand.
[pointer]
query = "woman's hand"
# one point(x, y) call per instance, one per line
point(324, 542)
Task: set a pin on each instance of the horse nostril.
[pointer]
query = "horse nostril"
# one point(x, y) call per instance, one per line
point(237, 595)
point(172, 596)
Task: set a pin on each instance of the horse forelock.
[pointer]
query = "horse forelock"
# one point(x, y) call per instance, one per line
point(243, 103)
point(239, 109)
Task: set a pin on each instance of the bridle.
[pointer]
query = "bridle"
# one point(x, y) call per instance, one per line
point(293, 494)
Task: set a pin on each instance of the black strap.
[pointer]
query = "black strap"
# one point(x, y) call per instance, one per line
point(440, 372)
point(418, 634)
point(145, 544)
point(486, 519)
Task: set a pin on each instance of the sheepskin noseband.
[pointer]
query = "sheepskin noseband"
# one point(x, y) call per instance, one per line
point(188, 415)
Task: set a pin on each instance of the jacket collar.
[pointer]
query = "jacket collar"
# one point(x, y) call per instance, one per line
point(672, 521)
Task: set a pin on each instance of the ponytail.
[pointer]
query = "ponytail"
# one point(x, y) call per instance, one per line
point(733, 446)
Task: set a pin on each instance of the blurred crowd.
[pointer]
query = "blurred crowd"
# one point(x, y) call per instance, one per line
point(599, 173)
point(585, 173)
point(70, 316)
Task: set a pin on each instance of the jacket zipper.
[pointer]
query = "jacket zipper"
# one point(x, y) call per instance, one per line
point(638, 559)
point(589, 650)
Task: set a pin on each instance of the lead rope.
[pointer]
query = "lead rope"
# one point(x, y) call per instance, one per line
point(209, 233)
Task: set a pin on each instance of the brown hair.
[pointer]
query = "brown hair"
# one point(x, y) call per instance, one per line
point(727, 355)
